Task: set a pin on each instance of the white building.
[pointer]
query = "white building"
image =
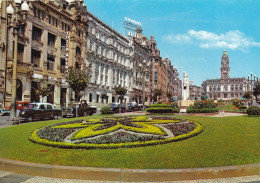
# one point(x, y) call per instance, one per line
point(225, 88)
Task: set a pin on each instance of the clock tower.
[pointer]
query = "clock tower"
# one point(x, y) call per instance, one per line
point(225, 69)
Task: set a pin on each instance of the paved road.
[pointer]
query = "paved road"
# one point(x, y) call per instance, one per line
point(9, 177)
point(5, 123)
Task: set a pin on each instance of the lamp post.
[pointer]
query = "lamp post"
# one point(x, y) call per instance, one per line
point(20, 9)
point(251, 82)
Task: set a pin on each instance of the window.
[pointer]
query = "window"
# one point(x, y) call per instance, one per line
point(38, 13)
point(63, 44)
point(62, 65)
point(90, 97)
point(36, 34)
point(49, 107)
point(79, 32)
point(97, 98)
point(20, 52)
point(78, 51)
point(51, 39)
point(53, 21)
point(91, 46)
point(65, 27)
point(35, 58)
point(50, 62)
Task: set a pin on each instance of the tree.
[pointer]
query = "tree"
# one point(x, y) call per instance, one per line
point(247, 95)
point(204, 97)
point(156, 93)
point(43, 89)
point(169, 96)
point(120, 92)
point(256, 90)
point(78, 81)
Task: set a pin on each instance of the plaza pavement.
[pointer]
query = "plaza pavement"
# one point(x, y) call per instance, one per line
point(9, 177)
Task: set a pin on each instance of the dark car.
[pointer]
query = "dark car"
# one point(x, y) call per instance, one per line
point(133, 106)
point(84, 109)
point(115, 107)
point(39, 111)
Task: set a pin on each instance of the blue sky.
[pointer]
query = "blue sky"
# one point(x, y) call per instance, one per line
point(194, 33)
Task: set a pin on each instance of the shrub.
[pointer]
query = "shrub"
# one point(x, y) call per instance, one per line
point(174, 105)
point(202, 110)
point(176, 110)
point(203, 104)
point(242, 107)
point(220, 100)
point(106, 110)
point(158, 105)
point(254, 110)
point(160, 110)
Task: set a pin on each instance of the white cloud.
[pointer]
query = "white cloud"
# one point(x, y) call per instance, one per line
point(233, 39)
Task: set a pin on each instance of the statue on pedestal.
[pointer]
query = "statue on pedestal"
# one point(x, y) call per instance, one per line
point(185, 87)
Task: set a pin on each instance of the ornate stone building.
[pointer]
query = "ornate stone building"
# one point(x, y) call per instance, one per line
point(42, 49)
point(225, 88)
point(110, 57)
point(141, 68)
point(63, 33)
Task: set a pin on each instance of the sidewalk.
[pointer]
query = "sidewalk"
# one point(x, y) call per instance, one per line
point(7, 177)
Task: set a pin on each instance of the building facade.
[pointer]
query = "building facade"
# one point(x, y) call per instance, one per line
point(59, 34)
point(225, 88)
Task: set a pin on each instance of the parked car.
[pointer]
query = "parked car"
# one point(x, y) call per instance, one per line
point(4, 112)
point(39, 111)
point(115, 107)
point(19, 106)
point(133, 106)
point(84, 109)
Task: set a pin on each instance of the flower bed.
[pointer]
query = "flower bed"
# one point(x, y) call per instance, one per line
point(116, 132)
point(203, 107)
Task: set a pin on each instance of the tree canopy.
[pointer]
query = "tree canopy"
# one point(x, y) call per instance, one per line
point(120, 92)
point(78, 80)
point(43, 89)
point(256, 90)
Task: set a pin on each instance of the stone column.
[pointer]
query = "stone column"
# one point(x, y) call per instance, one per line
point(57, 88)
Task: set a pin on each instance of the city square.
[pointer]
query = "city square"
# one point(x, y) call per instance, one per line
point(84, 97)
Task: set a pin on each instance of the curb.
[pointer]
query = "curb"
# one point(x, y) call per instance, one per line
point(127, 175)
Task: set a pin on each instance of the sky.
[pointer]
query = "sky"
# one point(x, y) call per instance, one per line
point(193, 33)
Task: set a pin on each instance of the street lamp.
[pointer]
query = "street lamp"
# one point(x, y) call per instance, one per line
point(17, 23)
point(251, 81)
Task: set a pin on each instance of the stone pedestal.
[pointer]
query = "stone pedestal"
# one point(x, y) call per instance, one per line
point(184, 104)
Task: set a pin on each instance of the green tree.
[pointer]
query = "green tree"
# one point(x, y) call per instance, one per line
point(204, 97)
point(120, 92)
point(256, 90)
point(43, 89)
point(169, 96)
point(247, 95)
point(156, 93)
point(78, 81)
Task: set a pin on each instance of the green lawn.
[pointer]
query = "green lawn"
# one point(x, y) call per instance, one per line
point(225, 141)
point(231, 108)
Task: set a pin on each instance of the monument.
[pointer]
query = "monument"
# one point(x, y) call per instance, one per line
point(185, 102)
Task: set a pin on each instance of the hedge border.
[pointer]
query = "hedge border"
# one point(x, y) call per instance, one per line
point(36, 139)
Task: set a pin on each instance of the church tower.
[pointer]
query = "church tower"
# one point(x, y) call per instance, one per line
point(225, 69)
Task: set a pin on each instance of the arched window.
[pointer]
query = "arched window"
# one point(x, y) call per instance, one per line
point(78, 51)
